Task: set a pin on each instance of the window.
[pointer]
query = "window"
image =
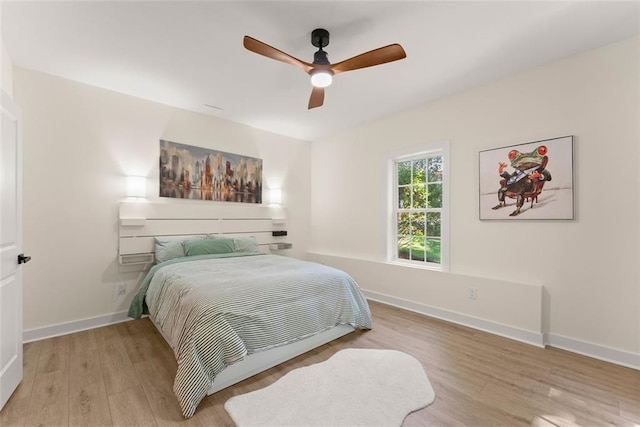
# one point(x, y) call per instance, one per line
point(419, 231)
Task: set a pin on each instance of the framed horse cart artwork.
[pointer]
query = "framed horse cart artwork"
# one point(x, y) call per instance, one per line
point(527, 181)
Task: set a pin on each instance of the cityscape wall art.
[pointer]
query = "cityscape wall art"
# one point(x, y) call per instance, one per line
point(189, 172)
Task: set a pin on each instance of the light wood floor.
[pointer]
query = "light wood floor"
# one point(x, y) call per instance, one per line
point(123, 375)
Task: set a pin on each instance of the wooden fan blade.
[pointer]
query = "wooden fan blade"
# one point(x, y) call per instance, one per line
point(382, 55)
point(264, 49)
point(317, 97)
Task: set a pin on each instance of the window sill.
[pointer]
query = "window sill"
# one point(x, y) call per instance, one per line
point(416, 265)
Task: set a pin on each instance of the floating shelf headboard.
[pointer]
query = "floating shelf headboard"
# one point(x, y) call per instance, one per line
point(140, 222)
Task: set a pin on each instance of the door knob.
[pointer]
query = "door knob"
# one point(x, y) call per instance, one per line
point(22, 259)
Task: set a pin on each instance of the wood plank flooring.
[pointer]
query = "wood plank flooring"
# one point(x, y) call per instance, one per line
point(122, 375)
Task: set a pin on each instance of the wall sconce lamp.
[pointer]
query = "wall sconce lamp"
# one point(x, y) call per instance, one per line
point(136, 186)
point(275, 196)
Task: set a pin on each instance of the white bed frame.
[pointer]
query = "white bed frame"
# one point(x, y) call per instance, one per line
point(258, 362)
point(140, 222)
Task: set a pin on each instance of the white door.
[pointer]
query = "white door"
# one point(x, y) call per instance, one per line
point(10, 245)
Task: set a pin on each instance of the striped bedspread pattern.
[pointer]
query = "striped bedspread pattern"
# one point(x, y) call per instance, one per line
point(215, 311)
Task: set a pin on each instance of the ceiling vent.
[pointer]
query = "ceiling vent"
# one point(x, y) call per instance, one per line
point(211, 110)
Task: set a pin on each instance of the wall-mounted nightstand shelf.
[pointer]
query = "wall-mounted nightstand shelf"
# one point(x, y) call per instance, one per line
point(280, 246)
point(131, 259)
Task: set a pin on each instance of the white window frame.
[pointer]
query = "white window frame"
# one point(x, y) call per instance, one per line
point(437, 148)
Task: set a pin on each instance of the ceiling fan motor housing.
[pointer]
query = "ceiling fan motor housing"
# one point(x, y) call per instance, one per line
point(320, 57)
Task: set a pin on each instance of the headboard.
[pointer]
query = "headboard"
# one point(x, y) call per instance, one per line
point(140, 222)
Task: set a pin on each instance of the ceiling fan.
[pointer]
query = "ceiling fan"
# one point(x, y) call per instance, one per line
point(321, 70)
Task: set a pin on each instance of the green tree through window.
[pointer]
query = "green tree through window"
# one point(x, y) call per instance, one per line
point(419, 208)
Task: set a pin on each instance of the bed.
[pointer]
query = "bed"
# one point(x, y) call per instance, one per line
point(229, 311)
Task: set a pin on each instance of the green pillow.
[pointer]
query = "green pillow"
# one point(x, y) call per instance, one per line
point(167, 248)
point(208, 246)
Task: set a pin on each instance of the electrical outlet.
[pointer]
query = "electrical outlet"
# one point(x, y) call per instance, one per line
point(120, 289)
point(473, 293)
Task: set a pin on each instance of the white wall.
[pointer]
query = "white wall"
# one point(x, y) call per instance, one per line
point(588, 266)
point(79, 144)
point(6, 70)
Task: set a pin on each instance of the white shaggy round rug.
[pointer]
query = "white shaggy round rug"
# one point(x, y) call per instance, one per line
point(354, 387)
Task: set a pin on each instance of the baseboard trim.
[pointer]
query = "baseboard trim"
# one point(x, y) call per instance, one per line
point(596, 351)
point(528, 337)
point(75, 326)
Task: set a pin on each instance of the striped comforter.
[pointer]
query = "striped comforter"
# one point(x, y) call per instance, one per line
point(216, 309)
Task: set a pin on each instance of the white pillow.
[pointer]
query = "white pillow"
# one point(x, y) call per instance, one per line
point(245, 244)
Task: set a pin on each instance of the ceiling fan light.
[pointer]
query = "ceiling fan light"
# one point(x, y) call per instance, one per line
point(321, 78)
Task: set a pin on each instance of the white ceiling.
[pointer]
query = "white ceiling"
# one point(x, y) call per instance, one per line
point(188, 54)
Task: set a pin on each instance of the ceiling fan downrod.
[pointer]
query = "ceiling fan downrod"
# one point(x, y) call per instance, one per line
point(320, 39)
